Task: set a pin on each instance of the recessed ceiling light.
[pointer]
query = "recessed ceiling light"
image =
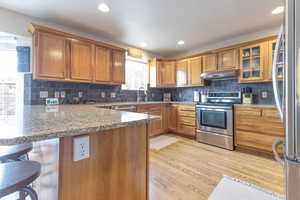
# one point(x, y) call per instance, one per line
point(143, 44)
point(180, 42)
point(103, 7)
point(278, 10)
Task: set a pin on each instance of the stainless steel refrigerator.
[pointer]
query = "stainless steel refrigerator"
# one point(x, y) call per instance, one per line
point(289, 105)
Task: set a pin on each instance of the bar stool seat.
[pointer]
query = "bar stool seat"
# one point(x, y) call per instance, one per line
point(14, 152)
point(17, 176)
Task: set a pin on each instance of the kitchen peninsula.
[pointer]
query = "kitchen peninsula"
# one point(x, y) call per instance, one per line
point(117, 165)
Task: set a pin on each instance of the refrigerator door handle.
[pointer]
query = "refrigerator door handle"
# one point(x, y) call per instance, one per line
point(275, 73)
point(275, 146)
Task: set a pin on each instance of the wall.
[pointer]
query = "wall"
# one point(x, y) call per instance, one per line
point(90, 92)
point(187, 94)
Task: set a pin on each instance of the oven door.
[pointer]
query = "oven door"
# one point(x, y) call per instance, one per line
point(216, 120)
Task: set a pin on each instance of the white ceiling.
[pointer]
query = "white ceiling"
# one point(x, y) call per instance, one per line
point(159, 23)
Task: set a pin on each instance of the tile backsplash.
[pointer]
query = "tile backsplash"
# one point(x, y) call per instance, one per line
point(110, 93)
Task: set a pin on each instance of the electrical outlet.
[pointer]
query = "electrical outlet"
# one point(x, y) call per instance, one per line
point(112, 95)
point(80, 94)
point(81, 148)
point(43, 94)
point(63, 94)
point(103, 94)
point(56, 94)
point(264, 94)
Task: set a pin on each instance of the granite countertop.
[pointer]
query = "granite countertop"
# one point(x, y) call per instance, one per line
point(143, 103)
point(256, 105)
point(36, 123)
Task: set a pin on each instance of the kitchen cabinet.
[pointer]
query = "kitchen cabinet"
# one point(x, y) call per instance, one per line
point(182, 73)
point(81, 55)
point(159, 126)
point(195, 70)
point(50, 56)
point(257, 128)
point(118, 67)
point(155, 73)
point(186, 120)
point(228, 60)
point(103, 65)
point(280, 61)
point(210, 63)
point(60, 56)
point(171, 114)
point(168, 70)
point(253, 62)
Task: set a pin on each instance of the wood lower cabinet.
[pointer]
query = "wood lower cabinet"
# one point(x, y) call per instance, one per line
point(210, 63)
point(81, 55)
point(155, 127)
point(186, 120)
point(50, 56)
point(118, 67)
point(171, 114)
point(228, 60)
point(257, 128)
point(103, 65)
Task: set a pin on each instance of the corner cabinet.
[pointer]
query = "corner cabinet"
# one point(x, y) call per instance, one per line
point(118, 58)
point(168, 73)
point(50, 56)
point(60, 56)
point(253, 62)
point(182, 73)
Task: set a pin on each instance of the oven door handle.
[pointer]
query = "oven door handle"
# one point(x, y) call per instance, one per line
point(213, 109)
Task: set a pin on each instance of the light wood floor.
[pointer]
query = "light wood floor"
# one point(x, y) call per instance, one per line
point(189, 170)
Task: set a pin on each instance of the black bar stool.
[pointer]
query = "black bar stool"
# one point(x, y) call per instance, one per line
point(17, 177)
point(14, 153)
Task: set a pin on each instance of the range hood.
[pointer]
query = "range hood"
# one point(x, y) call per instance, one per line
point(230, 74)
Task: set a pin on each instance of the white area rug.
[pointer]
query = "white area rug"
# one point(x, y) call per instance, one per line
point(234, 189)
point(160, 142)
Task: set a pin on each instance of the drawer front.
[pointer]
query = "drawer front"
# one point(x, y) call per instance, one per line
point(260, 142)
point(190, 108)
point(186, 129)
point(149, 108)
point(271, 113)
point(248, 112)
point(186, 113)
point(187, 121)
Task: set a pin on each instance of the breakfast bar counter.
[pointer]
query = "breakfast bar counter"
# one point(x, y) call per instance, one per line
point(117, 163)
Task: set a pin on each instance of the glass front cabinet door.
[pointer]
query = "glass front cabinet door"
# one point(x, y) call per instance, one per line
point(253, 59)
point(280, 59)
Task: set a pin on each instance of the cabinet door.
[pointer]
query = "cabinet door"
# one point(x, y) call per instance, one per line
point(280, 61)
point(172, 117)
point(81, 55)
point(155, 73)
point(103, 65)
point(253, 62)
point(195, 70)
point(228, 60)
point(182, 73)
point(118, 67)
point(50, 57)
point(210, 63)
point(169, 74)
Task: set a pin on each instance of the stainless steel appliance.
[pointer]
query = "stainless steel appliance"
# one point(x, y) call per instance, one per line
point(215, 119)
point(289, 107)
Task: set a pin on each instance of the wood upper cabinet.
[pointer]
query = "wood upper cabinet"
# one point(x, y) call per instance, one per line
point(168, 70)
point(182, 73)
point(210, 63)
point(50, 56)
point(228, 60)
point(118, 75)
point(195, 70)
point(81, 64)
point(280, 61)
point(103, 65)
point(155, 73)
point(253, 62)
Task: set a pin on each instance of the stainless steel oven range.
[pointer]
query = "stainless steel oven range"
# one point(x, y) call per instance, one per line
point(215, 119)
